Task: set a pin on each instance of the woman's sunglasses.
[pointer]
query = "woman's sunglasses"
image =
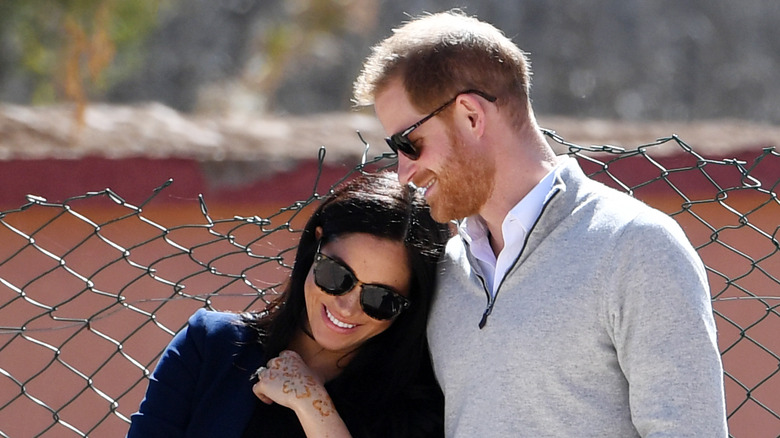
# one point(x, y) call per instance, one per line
point(399, 142)
point(335, 278)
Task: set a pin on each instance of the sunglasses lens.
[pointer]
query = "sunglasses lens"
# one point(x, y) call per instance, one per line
point(399, 143)
point(332, 277)
point(380, 303)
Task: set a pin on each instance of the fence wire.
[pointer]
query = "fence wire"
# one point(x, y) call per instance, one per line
point(92, 288)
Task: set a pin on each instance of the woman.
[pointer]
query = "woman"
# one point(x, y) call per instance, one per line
point(342, 352)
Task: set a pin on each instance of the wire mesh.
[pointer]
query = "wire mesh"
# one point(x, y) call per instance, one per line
point(92, 288)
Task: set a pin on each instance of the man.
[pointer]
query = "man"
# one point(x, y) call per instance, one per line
point(565, 308)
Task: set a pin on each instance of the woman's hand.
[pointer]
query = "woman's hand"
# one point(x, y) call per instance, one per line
point(288, 381)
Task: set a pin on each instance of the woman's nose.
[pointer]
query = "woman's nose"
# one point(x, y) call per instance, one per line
point(349, 303)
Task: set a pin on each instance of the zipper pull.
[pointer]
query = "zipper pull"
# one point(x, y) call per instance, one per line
point(487, 313)
point(483, 321)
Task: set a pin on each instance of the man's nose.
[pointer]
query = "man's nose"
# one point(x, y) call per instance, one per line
point(405, 169)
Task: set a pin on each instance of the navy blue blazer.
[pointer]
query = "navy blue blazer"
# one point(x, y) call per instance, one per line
point(201, 387)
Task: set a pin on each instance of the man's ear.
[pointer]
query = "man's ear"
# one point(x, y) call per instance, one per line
point(318, 233)
point(474, 111)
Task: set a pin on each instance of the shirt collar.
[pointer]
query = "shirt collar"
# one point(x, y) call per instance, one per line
point(518, 221)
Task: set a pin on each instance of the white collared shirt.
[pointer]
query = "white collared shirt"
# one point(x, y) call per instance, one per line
point(516, 225)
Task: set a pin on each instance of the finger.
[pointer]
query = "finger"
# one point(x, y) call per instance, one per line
point(257, 389)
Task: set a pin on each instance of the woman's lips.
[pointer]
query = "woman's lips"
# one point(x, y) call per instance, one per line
point(337, 322)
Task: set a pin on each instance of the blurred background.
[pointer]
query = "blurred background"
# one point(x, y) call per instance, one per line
point(615, 59)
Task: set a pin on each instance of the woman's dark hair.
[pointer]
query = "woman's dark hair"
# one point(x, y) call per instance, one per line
point(385, 374)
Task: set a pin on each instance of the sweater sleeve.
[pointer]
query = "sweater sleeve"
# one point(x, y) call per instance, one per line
point(167, 406)
point(664, 332)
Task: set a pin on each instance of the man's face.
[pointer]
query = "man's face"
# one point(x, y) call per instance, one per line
point(465, 182)
point(457, 177)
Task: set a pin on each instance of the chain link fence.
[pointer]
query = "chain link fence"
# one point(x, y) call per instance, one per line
point(92, 288)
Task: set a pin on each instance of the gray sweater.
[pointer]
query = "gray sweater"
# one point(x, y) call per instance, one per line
point(602, 328)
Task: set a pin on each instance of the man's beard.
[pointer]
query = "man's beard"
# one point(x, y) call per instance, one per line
point(464, 184)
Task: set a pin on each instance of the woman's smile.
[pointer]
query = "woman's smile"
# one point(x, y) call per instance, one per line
point(337, 322)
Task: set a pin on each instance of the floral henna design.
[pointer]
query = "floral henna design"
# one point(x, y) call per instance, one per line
point(323, 406)
point(295, 378)
point(300, 389)
point(282, 369)
point(298, 384)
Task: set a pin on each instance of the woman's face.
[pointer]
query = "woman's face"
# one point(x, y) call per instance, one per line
point(338, 323)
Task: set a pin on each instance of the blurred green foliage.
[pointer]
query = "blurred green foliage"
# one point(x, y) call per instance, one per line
point(74, 49)
point(296, 34)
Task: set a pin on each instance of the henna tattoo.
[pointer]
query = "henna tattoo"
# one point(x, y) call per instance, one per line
point(296, 382)
point(295, 379)
point(301, 388)
point(323, 406)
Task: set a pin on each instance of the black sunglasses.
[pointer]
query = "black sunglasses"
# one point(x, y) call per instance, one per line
point(335, 278)
point(399, 142)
